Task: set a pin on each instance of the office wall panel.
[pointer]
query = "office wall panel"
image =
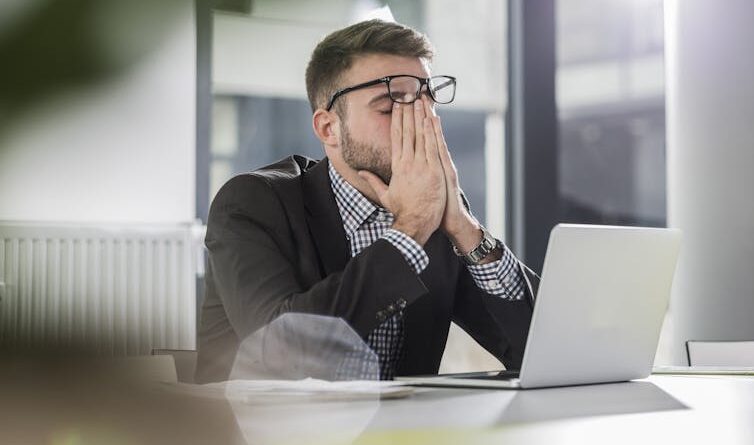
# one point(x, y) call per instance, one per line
point(710, 128)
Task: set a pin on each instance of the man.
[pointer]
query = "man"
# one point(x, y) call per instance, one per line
point(378, 233)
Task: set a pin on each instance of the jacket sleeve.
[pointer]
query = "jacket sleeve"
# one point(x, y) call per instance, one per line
point(500, 326)
point(256, 281)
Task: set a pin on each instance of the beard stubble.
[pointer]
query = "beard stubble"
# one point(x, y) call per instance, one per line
point(364, 156)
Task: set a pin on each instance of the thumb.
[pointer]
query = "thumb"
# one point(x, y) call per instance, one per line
point(374, 181)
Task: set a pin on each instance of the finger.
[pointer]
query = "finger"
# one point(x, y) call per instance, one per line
point(432, 145)
point(419, 127)
point(396, 133)
point(441, 144)
point(408, 132)
point(447, 162)
point(379, 187)
point(430, 142)
point(430, 107)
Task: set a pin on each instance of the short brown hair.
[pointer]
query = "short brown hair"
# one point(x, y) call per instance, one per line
point(335, 54)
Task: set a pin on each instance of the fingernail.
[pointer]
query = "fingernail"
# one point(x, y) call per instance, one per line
point(396, 105)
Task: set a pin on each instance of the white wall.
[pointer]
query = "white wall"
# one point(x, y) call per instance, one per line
point(119, 152)
point(710, 128)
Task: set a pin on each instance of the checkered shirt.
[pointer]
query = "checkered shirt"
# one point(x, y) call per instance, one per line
point(365, 223)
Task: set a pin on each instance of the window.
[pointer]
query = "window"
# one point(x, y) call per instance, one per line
point(260, 111)
point(611, 112)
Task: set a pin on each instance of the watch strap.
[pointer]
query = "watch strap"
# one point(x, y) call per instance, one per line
point(480, 252)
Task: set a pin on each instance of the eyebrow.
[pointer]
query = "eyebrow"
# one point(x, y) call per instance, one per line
point(379, 98)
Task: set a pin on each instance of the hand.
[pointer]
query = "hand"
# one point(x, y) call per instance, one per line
point(463, 230)
point(417, 192)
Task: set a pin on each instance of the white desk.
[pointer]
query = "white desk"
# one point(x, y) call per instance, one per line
point(48, 404)
point(661, 409)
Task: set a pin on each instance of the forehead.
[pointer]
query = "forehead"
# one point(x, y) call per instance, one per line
point(373, 66)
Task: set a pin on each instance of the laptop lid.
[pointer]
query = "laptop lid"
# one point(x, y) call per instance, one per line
point(598, 314)
point(601, 303)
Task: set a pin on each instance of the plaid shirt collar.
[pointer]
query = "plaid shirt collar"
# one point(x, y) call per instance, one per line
point(355, 209)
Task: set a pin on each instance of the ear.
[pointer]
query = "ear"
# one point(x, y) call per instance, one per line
point(326, 125)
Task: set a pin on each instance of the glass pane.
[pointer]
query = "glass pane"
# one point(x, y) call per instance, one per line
point(611, 110)
point(264, 84)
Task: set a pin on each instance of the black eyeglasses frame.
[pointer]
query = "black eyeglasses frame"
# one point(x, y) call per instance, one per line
point(386, 80)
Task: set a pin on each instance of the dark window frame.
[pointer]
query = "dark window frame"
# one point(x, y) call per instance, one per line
point(532, 129)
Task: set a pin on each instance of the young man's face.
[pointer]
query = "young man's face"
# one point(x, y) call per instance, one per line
point(365, 131)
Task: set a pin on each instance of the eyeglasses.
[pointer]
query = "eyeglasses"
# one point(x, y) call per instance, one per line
point(405, 89)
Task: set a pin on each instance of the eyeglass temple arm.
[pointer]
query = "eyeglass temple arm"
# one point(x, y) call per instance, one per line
point(339, 93)
point(444, 84)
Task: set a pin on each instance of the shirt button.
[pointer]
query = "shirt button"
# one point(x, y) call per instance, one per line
point(493, 284)
point(401, 303)
point(381, 315)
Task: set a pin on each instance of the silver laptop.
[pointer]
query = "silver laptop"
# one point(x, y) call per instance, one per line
point(598, 313)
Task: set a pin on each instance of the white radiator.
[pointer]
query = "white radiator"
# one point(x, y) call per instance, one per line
point(117, 290)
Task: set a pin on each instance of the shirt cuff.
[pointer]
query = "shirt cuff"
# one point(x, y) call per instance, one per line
point(501, 278)
point(414, 254)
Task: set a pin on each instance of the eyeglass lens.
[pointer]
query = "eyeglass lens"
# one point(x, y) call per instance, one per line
point(403, 89)
point(443, 89)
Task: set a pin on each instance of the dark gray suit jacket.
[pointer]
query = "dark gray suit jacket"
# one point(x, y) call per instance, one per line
point(276, 244)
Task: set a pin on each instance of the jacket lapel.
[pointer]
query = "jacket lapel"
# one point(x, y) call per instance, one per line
point(323, 218)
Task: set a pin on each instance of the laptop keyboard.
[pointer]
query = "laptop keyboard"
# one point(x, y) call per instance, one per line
point(502, 375)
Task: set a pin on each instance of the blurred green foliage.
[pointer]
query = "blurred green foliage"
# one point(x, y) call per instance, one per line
point(59, 46)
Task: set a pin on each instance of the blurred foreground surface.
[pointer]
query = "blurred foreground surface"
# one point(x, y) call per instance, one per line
point(82, 401)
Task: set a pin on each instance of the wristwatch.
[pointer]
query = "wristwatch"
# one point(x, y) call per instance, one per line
point(480, 252)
